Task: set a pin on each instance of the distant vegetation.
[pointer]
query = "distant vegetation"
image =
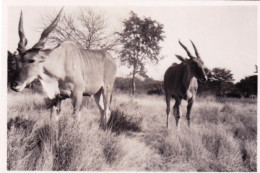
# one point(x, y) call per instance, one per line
point(220, 83)
point(213, 86)
point(147, 85)
point(248, 85)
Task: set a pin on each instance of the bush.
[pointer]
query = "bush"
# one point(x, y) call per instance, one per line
point(148, 85)
point(234, 94)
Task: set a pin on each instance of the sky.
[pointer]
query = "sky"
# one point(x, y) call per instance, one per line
point(225, 36)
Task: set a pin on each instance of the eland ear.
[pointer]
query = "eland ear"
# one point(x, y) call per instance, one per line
point(180, 58)
point(43, 54)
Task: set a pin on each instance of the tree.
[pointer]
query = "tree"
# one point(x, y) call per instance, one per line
point(140, 39)
point(222, 74)
point(248, 85)
point(86, 27)
point(222, 79)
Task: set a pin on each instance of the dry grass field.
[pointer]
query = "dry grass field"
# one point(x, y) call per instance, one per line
point(222, 136)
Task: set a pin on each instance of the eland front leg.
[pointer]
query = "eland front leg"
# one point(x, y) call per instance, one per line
point(176, 111)
point(100, 103)
point(168, 99)
point(77, 104)
point(55, 106)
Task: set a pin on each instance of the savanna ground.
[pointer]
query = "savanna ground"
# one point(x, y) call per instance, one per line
point(222, 136)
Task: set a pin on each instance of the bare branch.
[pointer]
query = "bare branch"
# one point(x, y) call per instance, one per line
point(86, 27)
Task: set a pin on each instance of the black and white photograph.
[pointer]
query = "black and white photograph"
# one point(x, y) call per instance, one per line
point(129, 86)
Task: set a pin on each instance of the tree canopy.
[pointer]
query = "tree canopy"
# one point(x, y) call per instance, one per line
point(248, 85)
point(221, 75)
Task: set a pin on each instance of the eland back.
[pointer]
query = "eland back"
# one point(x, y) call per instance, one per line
point(66, 71)
point(180, 82)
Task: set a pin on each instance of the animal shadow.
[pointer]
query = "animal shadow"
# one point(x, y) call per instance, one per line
point(119, 122)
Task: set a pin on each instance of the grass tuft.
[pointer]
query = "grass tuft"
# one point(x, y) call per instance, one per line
point(119, 122)
point(20, 123)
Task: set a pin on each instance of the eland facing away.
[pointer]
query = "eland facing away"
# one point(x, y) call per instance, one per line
point(66, 71)
point(180, 82)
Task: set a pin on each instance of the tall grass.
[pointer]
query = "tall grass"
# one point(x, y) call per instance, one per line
point(222, 136)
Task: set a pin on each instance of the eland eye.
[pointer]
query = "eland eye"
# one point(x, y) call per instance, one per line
point(31, 61)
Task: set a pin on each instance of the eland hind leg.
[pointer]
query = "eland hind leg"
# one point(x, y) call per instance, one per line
point(99, 101)
point(190, 103)
point(107, 100)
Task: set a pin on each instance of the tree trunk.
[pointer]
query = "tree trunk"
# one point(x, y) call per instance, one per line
point(133, 81)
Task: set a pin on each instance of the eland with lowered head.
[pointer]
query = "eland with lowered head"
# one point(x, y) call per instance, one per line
point(66, 71)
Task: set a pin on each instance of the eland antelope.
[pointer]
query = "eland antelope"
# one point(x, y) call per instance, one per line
point(66, 71)
point(180, 82)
